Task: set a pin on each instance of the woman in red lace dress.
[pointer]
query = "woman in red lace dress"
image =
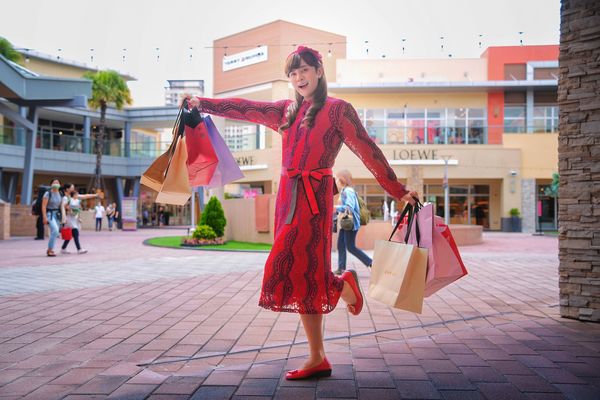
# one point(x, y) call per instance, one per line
point(298, 276)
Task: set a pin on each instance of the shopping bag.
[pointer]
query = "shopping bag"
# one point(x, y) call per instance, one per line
point(176, 186)
point(154, 176)
point(66, 233)
point(444, 264)
point(398, 271)
point(201, 157)
point(228, 169)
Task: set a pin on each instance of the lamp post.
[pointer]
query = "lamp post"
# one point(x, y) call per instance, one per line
point(446, 191)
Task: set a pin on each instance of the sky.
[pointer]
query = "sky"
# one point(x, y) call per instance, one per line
point(140, 27)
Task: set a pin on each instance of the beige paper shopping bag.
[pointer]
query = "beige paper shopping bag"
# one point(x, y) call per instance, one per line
point(398, 275)
point(154, 176)
point(176, 186)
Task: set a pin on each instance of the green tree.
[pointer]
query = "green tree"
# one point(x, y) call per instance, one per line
point(552, 189)
point(9, 52)
point(214, 216)
point(108, 87)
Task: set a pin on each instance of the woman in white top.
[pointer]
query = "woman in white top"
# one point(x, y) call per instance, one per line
point(100, 211)
point(72, 204)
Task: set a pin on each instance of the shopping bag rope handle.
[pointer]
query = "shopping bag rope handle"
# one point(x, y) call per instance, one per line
point(412, 216)
point(178, 130)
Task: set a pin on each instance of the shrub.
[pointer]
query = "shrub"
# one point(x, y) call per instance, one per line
point(514, 212)
point(214, 216)
point(204, 232)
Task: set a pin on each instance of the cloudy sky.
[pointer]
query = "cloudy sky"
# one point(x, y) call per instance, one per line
point(140, 27)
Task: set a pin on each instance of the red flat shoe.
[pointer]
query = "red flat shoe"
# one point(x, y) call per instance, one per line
point(322, 370)
point(352, 279)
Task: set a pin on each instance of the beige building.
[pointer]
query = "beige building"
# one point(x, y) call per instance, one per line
point(494, 119)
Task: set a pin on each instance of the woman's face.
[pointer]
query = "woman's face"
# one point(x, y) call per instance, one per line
point(55, 185)
point(71, 189)
point(305, 79)
point(340, 182)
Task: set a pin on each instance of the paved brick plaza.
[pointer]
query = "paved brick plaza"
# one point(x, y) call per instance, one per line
point(81, 326)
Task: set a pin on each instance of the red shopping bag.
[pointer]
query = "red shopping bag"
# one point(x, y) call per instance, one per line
point(444, 264)
point(202, 159)
point(66, 233)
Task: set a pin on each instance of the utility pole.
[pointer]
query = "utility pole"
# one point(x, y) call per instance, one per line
point(446, 191)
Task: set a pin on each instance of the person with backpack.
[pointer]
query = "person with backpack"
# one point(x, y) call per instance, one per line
point(350, 203)
point(36, 209)
point(53, 212)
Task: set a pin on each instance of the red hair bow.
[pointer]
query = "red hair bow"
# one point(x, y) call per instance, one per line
point(304, 49)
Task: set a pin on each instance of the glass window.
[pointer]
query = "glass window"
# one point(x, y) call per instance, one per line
point(514, 119)
point(375, 124)
point(395, 126)
point(545, 73)
point(515, 72)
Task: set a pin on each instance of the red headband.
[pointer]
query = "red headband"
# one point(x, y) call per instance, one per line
point(304, 49)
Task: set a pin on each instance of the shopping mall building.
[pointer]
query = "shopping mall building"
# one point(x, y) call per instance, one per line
point(493, 119)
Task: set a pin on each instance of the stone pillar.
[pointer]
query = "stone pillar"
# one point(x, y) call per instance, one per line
point(579, 160)
point(528, 207)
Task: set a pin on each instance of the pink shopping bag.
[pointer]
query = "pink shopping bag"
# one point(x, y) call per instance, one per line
point(444, 264)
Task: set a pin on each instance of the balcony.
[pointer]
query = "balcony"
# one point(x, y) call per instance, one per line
point(390, 134)
point(76, 143)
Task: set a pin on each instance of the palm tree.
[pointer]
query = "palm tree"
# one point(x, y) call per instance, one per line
point(107, 88)
point(9, 52)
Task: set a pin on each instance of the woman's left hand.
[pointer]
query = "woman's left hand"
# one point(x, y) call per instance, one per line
point(410, 197)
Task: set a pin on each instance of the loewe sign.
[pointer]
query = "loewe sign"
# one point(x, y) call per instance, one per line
point(415, 154)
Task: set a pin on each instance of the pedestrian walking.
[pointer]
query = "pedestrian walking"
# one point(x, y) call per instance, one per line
point(52, 213)
point(72, 205)
point(347, 237)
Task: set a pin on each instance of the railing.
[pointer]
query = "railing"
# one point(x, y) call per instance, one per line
point(382, 135)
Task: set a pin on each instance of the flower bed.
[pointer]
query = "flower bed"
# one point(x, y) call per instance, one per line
point(191, 242)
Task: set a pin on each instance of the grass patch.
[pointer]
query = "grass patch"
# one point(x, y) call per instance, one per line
point(175, 242)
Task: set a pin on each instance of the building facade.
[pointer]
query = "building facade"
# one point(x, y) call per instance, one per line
point(493, 118)
point(489, 124)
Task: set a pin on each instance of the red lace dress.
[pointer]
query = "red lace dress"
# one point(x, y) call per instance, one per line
point(298, 276)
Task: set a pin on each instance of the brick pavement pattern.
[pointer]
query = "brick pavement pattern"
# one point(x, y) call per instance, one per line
point(128, 321)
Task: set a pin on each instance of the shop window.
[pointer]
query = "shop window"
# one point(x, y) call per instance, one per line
point(545, 73)
point(515, 72)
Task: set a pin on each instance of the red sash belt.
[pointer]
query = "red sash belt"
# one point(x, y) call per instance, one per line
point(295, 174)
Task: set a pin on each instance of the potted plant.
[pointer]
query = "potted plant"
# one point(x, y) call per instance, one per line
point(515, 219)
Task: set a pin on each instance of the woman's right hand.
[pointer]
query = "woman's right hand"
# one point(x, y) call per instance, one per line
point(193, 101)
point(45, 220)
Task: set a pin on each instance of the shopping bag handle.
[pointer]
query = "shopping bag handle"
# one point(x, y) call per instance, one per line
point(412, 216)
point(177, 132)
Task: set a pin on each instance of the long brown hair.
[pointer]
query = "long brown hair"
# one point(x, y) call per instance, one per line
point(319, 97)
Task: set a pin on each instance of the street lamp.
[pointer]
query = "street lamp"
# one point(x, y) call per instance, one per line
point(446, 191)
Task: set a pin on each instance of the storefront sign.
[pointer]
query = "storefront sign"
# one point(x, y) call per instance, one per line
point(416, 154)
point(246, 160)
point(245, 58)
